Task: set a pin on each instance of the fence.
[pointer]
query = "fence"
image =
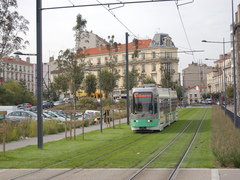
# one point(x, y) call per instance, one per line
point(231, 115)
point(3, 130)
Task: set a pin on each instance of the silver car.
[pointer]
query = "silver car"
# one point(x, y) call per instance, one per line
point(21, 115)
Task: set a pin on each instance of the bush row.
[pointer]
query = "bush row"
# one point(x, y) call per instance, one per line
point(225, 139)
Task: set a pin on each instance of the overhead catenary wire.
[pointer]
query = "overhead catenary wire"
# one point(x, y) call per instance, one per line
point(110, 11)
point(184, 29)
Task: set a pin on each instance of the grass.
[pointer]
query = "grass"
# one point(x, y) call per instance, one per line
point(96, 144)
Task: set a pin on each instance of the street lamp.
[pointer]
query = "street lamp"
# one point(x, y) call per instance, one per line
point(39, 100)
point(235, 102)
point(99, 70)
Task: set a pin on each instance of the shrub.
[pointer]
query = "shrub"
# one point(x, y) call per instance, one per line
point(225, 139)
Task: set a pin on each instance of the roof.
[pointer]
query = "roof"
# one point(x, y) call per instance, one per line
point(11, 60)
point(142, 44)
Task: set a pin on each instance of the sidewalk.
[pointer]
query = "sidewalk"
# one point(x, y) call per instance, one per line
point(55, 137)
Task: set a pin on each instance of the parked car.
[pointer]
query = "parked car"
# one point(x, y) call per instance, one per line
point(55, 116)
point(59, 112)
point(21, 115)
point(68, 100)
point(57, 103)
point(20, 106)
point(47, 104)
point(45, 115)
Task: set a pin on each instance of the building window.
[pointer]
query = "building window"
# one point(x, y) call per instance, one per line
point(106, 60)
point(91, 62)
point(16, 68)
point(124, 58)
point(154, 78)
point(116, 59)
point(99, 61)
point(153, 55)
point(143, 56)
point(195, 95)
point(24, 68)
point(143, 68)
point(153, 67)
point(134, 68)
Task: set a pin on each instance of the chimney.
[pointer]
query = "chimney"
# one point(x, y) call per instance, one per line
point(51, 59)
point(101, 47)
point(28, 59)
point(221, 56)
point(84, 49)
point(17, 58)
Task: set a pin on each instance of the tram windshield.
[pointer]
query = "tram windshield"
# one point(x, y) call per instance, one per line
point(142, 103)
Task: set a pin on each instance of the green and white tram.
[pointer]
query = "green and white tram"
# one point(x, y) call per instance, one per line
point(153, 108)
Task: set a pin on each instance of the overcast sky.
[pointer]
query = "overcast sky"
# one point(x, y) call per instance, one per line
point(202, 19)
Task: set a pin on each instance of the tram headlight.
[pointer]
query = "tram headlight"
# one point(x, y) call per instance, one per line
point(135, 120)
point(149, 120)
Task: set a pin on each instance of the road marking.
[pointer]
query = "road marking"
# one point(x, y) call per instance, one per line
point(215, 174)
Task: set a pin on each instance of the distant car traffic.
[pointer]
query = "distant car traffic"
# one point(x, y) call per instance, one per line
point(68, 100)
point(21, 115)
point(55, 116)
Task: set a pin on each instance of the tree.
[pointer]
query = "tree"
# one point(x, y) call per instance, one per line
point(230, 91)
point(69, 66)
point(60, 83)
point(90, 84)
point(134, 79)
point(108, 80)
point(148, 80)
point(11, 26)
point(6, 96)
point(80, 25)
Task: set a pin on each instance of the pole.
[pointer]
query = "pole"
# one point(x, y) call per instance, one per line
point(39, 75)
point(225, 105)
point(127, 78)
point(100, 99)
point(234, 70)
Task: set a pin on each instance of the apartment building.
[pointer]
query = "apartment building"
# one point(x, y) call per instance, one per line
point(153, 55)
point(88, 39)
point(215, 79)
point(17, 69)
point(195, 75)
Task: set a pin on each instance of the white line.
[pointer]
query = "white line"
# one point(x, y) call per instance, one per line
point(215, 174)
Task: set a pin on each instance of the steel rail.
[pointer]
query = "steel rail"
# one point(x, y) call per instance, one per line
point(153, 159)
point(176, 170)
point(52, 165)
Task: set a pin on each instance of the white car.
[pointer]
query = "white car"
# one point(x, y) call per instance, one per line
point(21, 115)
point(55, 116)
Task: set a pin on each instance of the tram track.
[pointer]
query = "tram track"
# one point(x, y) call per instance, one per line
point(176, 169)
point(83, 154)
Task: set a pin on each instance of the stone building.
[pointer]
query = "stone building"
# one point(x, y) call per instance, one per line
point(17, 69)
point(153, 55)
point(195, 75)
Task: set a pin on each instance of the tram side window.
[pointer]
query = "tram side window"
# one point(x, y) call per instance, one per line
point(155, 106)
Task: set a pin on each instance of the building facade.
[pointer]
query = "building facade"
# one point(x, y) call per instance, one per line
point(195, 75)
point(17, 69)
point(153, 56)
point(88, 39)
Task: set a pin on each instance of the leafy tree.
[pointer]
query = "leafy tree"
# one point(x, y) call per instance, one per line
point(134, 78)
point(108, 80)
point(69, 66)
point(80, 25)
point(20, 93)
point(179, 92)
point(90, 84)
point(148, 80)
point(60, 83)
point(11, 26)
point(230, 91)
point(112, 47)
point(6, 96)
